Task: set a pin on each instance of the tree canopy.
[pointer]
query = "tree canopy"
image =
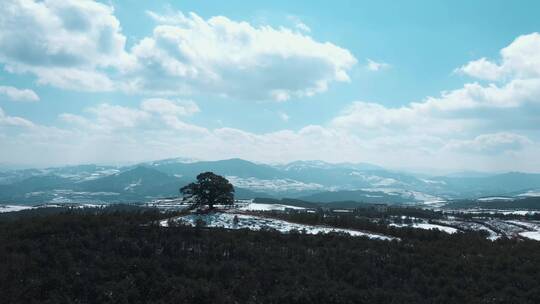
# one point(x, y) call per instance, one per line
point(209, 189)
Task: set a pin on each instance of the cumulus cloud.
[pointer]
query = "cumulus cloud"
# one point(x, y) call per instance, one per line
point(107, 117)
point(476, 119)
point(188, 54)
point(229, 58)
point(170, 107)
point(15, 94)
point(472, 106)
point(153, 136)
point(284, 116)
point(520, 59)
point(65, 43)
point(153, 113)
point(298, 24)
point(79, 45)
point(491, 143)
point(376, 66)
point(115, 116)
point(482, 69)
point(13, 121)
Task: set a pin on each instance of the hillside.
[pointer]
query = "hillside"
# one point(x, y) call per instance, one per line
point(306, 180)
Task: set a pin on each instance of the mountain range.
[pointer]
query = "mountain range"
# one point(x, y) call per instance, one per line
point(314, 181)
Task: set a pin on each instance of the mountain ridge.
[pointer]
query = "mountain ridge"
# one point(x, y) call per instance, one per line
point(299, 179)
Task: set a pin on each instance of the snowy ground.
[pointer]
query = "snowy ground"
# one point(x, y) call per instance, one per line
point(533, 235)
point(267, 207)
point(471, 226)
point(508, 228)
point(13, 208)
point(495, 198)
point(491, 211)
point(531, 193)
point(533, 228)
point(169, 204)
point(427, 227)
point(252, 222)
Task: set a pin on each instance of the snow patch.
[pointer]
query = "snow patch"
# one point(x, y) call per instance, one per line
point(494, 198)
point(252, 222)
point(268, 207)
point(13, 208)
point(533, 235)
point(530, 193)
point(427, 227)
point(276, 185)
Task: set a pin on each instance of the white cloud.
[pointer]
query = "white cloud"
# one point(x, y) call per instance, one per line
point(18, 94)
point(13, 121)
point(303, 27)
point(154, 113)
point(114, 116)
point(482, 69)
point(169, 107)
point(284, 116)
point(491, 143)
point(374, 119)
point(86, 139)
point(65, 43)
point(376, 66)
point(189, 54)
point(519, 60)
point(76, 120)
point(79, 45)
point(298, 24)
point(493, 125)
point(172, 18)
point(473, 125)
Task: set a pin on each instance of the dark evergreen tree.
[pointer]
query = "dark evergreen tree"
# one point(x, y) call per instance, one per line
point(209, 189)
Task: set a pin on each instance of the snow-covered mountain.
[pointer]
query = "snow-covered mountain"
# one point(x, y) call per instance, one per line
point(313, 180)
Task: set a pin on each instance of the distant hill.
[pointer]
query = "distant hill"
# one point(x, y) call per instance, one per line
point(529, 203)
point(234, 167)
point(500, 184)
point(314, 205)
point(307, 180)
point(137, 182)
point(355, 196)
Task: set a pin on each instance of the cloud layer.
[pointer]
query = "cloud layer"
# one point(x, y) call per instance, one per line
point(491, 122)
point(15, 94)
point(236, 59)
point(79, 45)
point(64, 43)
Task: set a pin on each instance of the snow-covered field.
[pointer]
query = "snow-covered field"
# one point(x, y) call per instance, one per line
point(427, 227)
point(176, 204)
point(495, 198)
point(492, 211)
point(407, 194)
point(267, 207)
point(533, 235)
point(275, 185)
point(471, 226)
point(530, 193)
point(252, 222)
point(13, 208)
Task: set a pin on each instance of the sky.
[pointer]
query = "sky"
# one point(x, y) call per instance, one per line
point(420, 85)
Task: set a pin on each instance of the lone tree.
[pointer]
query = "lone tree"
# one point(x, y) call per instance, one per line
point(209, 189)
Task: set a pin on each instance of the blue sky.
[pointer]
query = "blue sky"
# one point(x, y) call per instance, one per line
point(442, 85)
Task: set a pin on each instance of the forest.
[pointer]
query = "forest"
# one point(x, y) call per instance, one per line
point(121, 255)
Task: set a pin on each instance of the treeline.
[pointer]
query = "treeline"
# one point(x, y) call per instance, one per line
point(530, 203)
point(124, 257)
point(378, 224)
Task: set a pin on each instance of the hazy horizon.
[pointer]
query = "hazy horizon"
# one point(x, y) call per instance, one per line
point(418, 86)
